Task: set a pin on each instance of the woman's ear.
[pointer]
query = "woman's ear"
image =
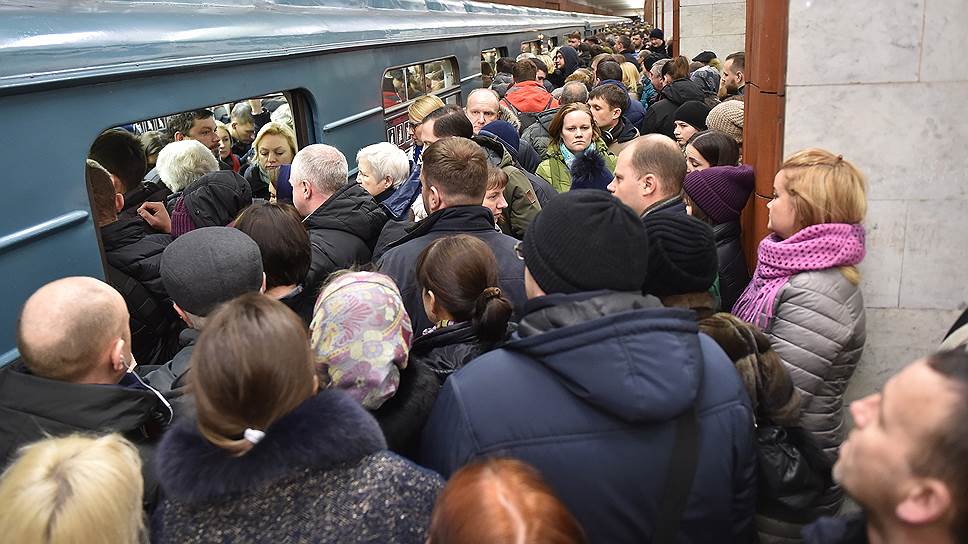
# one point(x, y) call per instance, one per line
point(387, 182)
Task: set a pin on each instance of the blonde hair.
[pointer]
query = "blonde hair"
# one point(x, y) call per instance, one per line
point(423, 106)
point(74, 489)
point(825, 188)
point(273, 128)
point(630, 77)
point(548, 62)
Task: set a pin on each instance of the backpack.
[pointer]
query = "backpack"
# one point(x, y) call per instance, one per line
point(526, 118)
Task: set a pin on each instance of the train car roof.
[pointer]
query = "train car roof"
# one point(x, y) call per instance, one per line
point(44, 42)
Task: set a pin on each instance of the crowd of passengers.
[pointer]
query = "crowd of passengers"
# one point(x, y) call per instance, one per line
point(535, 326)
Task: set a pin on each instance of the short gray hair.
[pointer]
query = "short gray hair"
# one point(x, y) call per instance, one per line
point(573, 91)
point(386, 159)
point(492, 92)
point(182, 163)
point(322, 165)
point(656, 70)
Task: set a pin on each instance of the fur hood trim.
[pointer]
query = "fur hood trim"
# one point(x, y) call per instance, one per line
point(326, 430)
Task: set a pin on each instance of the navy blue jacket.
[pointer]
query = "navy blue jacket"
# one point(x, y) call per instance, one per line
point(587, 392)
point(400, 260)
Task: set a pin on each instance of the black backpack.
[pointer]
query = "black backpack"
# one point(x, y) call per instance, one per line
point(526, 118)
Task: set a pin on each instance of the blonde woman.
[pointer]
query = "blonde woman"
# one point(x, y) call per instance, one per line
point(274, 146)
point(631, 78)
point(74, 489)
point(805, 292)
point(398, 205)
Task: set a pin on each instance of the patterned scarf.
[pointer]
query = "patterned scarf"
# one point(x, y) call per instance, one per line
point(568, 156)
point(817, 247)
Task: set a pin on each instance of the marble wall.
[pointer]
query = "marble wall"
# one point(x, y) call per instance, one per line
point(871, 82)
point(714, 25)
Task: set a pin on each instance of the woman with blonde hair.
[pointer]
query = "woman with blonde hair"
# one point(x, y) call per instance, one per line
point(274, 146)
point(502, 501)
point(630, 78)
point(74, 489)
point(573, 134)
point(398, 205)
point(269, 458)
point(805, 292)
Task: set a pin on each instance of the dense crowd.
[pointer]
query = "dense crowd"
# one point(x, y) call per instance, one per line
point(535, 325)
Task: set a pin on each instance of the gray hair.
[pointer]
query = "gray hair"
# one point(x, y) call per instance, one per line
point(323, 166)
point(242, 113)
point(573, 91)
point(491, 92)
point(386, 160)
point(656, 70)
point(182, 163)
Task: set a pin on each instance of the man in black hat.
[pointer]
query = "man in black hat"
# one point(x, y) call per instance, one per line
point(615, 399)
point(200, 270)
point(657, 42)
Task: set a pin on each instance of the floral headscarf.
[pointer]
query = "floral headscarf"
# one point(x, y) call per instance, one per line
point(360, 337)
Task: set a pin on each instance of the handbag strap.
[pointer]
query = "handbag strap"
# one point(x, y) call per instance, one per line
point(682, 472)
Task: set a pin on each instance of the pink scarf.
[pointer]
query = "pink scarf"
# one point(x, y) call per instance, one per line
point(817, 247)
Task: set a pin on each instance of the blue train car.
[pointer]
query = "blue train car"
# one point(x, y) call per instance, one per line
point(68, 71)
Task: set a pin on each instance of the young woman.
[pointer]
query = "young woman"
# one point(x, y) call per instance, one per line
point(458, 277)
point(805, 292)
point(74, 489)
point(501, 501)
point(360, 336)
point(225, 148)
point(573, 132)
point(494, 199)
point(711, 148)
point(267, 458)
point(275, 146)
point(284, 244)
point(690, 119)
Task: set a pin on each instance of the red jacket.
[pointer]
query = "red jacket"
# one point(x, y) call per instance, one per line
point(531, 97)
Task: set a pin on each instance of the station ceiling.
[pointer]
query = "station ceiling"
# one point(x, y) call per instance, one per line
point(618, 7)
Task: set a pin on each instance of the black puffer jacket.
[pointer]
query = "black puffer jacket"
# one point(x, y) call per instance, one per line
point(733, 273)
point(538, 135)
point(32, 408)
point(403, 416)
point(660, 118)
point(217, 198)
point(133, 248)
point(342, 232)
point(446, 350)
point(154, 325)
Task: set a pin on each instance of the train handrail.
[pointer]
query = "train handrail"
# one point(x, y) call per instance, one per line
point(14, 239)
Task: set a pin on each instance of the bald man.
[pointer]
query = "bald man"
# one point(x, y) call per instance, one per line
point(649, 175)
point(482, 107)
point(74, 374)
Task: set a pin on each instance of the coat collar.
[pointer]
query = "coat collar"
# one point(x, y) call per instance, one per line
point(454, 219)
point(324, 431)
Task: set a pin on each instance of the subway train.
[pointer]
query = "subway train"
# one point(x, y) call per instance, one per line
point(71, 70)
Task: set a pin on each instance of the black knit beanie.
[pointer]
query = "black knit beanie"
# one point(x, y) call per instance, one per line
point(586, 240)
point(694, 113)
point(682, 255)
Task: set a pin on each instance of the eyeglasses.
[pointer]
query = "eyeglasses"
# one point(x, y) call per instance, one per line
point(519, 251)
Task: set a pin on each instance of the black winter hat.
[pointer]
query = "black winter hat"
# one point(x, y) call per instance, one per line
point(208, 266)
point(693, 112)
point(704, 57)
point(586, 240)
point(682, 255)
point(657, 33)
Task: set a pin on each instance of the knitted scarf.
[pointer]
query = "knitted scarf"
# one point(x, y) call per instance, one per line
point(817, 247)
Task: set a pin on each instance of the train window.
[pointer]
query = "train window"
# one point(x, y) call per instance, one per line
point(552, 43)
point(490, 56)
point(404, 84)
point(533, 47)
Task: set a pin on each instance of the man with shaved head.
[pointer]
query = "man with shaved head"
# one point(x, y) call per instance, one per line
point(75, 373)
point(649, 175)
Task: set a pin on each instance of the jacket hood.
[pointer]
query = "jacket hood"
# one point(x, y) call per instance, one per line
point(681, 91)
point(125, 407)
point(621, 352)
point(352, 210)
point(217, 198)
point(324, 431)
point(623, 132)
point(546, 117)
point(125, 231)
point(615, 82)
point(497, 153)
point(456, 219)
point(571, 59)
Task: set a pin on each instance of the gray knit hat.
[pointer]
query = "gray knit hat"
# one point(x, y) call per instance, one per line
point(206, 267)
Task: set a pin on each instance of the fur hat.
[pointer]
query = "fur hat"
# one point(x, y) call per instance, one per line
point(728, 119)
point(588, 171)
point(586, 240)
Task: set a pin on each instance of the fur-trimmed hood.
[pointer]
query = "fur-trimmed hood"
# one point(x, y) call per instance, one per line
point(326, 430)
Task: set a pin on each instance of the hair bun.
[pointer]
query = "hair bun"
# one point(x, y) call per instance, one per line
point(491, 292)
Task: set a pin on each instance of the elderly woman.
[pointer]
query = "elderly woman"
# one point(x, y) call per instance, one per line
point(382, 168)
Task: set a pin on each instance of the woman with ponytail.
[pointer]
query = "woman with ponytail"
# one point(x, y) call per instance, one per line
point(458, 278)
point(270, 460)
point(805, 292)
